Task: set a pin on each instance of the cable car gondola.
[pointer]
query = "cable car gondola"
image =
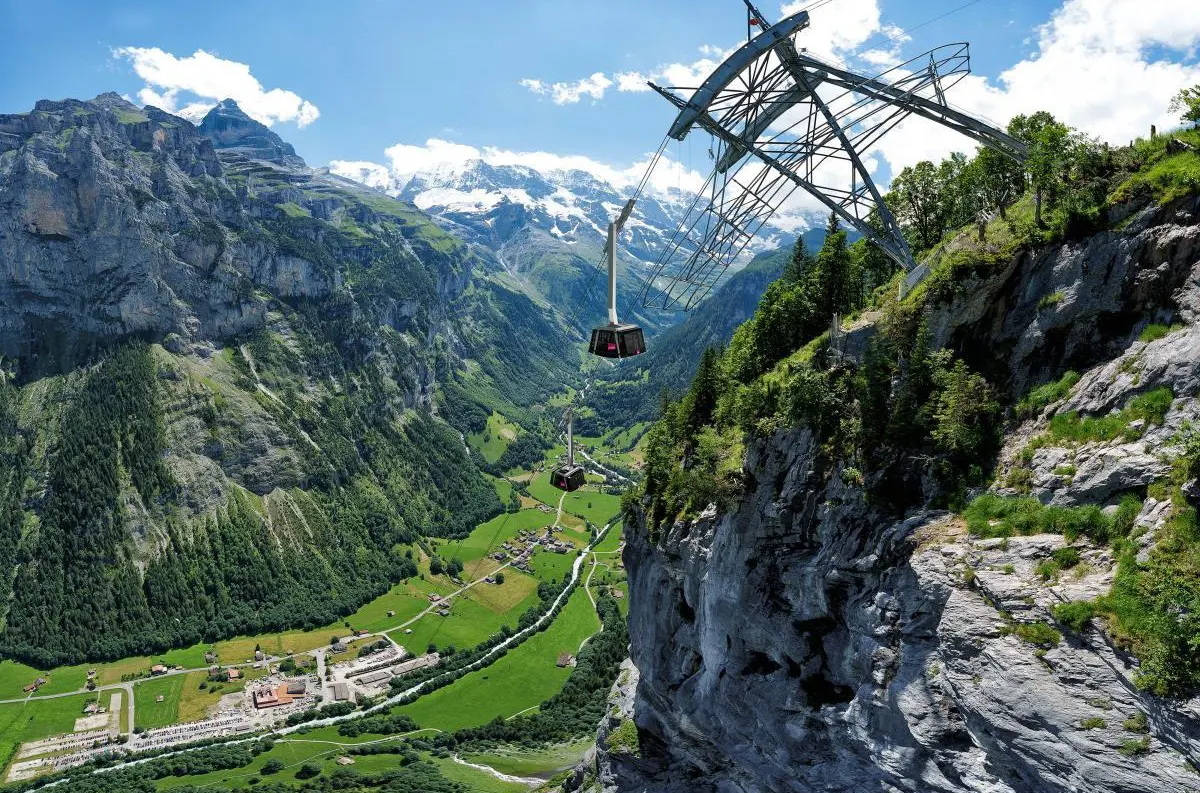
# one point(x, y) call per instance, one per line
point(616, 339)
point(568, 477)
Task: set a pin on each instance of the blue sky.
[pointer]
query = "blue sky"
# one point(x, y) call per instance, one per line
point(382, 73)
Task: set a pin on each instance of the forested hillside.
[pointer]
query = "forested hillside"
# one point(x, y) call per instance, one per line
point(233, 387)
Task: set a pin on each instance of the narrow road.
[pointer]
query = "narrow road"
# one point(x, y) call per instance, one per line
point(129, 696)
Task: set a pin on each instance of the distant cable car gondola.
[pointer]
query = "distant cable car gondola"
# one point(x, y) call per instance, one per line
point(568, 477)
point(616, 339)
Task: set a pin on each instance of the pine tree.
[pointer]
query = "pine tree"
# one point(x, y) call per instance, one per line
point(799, 266)
point(701, 400)
point(835, 281)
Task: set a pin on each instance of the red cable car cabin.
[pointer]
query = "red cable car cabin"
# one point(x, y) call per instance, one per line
point(568, 477)
point(617, 341)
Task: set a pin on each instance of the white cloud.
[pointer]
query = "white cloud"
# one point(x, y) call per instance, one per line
point(209, 79)
point(446, 156)
point(839, 29)
point(1106, 67)
point(570, 93)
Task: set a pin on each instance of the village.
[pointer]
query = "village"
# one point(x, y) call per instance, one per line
point(263, 704)
point(265, 692)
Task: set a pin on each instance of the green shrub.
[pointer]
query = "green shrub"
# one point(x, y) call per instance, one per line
point(1134, 747)
point(1137, 723)
point(1094, 723)
point(1037, 399)
point(1066, 557)
point(1154, 332)
point(1020, 479)
point(624, 739)
point(991, 515)
point(1048, 569)
point(1050, 300)
point(1036, 633)
point(1150, 407)
point(1076, 615)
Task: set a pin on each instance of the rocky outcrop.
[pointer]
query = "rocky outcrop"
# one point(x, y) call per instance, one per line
point(231, 130)
point(810, 640)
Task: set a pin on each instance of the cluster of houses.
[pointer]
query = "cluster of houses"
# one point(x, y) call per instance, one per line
point(443, 604)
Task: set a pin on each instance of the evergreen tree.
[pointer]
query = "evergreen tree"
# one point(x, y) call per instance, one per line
point(835, 284)
point(799, 266)
point(701, 399)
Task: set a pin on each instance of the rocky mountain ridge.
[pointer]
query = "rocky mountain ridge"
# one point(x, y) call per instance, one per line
point(548, 227)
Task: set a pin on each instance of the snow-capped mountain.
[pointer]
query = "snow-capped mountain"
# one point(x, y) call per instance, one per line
point(491, 204)
point(548, 228)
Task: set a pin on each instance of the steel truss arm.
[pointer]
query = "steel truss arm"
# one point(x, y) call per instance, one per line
point(781, 120)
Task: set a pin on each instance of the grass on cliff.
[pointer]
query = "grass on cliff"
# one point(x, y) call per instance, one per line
point(1165, 176)
point(1040, 397)
point(992, 515)
point(1150, 408)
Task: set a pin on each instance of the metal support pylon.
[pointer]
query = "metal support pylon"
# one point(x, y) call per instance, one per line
point(782, 120)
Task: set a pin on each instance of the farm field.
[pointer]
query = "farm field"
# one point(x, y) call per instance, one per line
point(489, 536)
point(593, 505)
point(477, 781)
point(517, 682)
point(37, 719)
point(550, 566)
point(148, 712)
point(495, 437)
point(407, 600)
point(611, 540)
point(522, 679)
point(474, 615)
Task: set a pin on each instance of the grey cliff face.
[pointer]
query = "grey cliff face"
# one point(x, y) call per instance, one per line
point(808, 640)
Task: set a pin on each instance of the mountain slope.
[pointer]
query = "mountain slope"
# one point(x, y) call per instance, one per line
point(228, 380)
